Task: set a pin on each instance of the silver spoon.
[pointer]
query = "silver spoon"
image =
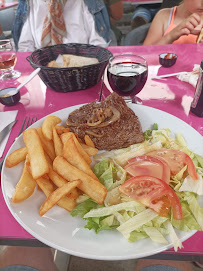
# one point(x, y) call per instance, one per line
point(30, 77)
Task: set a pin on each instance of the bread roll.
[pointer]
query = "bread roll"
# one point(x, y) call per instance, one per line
point(73, 61)
point(200, 36)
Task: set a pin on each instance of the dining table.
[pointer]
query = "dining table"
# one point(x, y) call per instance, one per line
point(168, 94)
point(143, 1)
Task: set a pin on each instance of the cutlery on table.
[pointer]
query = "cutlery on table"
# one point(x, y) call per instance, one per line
point(168, 75)
point(6, 130)
point(25, 125)
point(32, 75)
point(101, 89)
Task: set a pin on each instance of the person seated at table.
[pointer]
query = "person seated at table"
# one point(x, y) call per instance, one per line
point(178, 25)
point(115, 10)
point(144, 14)
point(53, 22)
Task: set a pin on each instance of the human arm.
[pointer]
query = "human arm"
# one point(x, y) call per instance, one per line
point(156, 31)
point(93, 30)
point(115, 10)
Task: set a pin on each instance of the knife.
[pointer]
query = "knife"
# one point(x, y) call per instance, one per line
point(6, 130)
point(168, 75)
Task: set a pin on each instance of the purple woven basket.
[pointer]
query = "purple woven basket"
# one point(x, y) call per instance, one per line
point(70, 79)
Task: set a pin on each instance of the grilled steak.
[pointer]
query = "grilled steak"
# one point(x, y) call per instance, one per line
point(110, 124)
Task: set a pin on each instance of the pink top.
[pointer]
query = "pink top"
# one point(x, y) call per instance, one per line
point(183, 39)
point(170, 95)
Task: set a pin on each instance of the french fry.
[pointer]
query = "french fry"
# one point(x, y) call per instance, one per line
point(16, 157)
point(59, 181)
point(60, 129)
point(47, 187)
point(89, 142)
point(89, 150)
point(200, 36)
point(58, 145)
point(38, 162)
point(48, 145)
point(56, 195)
point(66, 136)
point(25, 187)
point(74, 157)
point(49, 161)
point(89, 186)
point(47, 125)
point(78, 138)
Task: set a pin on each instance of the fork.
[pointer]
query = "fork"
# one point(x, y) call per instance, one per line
point(26, 123)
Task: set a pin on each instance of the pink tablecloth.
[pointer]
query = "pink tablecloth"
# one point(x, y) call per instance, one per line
point(143, 1)
point(170, 95)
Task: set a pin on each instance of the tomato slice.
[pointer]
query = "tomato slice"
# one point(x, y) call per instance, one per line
point(148, 165)
point(150, 191)
point(176, 161)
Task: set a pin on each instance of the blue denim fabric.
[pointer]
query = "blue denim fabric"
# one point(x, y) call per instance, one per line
point(147, 12)
point(96, 7)
point(99, 11)
point(20, 18)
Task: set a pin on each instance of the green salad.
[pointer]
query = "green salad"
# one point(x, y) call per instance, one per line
point(140, 205)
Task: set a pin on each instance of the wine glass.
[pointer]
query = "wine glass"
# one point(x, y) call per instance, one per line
point(7, 61)
point(127, 75)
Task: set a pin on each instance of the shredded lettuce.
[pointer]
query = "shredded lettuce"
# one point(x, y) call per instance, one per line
point(135, 236)
point(105, 211)
point(196, 210)
point(142, 149)
point(173, 236)
point(188, 222)
point(199, 160)
point(130, 218)
point(136, 222)
point(148, 132)
point(109, 173)
point(155, 235)
point(84, 207)
point(193, 186)
point(98, 223)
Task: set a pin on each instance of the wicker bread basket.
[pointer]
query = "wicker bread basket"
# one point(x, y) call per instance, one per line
point(70, 79)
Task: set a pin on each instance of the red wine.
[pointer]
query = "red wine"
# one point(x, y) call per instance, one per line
point(127, 78)
point(7, 60)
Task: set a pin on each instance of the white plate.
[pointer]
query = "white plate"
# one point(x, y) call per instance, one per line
point(59, 230)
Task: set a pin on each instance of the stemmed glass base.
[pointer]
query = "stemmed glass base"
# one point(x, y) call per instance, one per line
point(134, 100)
point(10, 75)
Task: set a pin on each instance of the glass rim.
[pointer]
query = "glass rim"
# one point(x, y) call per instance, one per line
point(127, 54)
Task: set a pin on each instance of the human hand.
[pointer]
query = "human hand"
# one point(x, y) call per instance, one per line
point(191, 25)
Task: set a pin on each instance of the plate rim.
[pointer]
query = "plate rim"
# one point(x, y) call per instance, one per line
point(73, 252)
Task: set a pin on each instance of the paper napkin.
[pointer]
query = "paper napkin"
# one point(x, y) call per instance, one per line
point(190, 77)
point(6, 118)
